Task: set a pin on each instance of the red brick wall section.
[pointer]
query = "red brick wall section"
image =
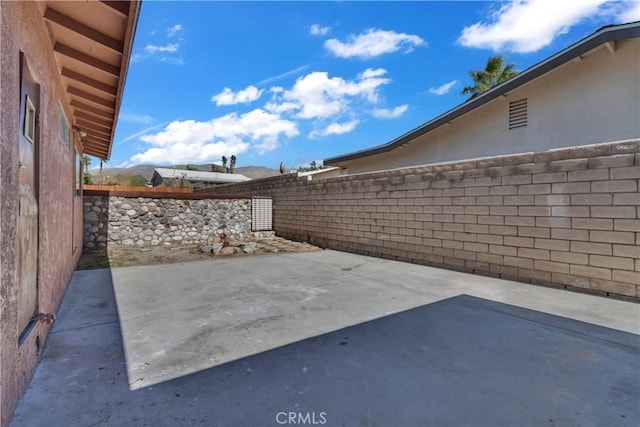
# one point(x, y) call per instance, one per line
point(567, 217)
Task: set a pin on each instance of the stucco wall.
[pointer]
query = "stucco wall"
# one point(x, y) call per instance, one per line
point(143, 221)
point(567, 217)
point(60, 223)
point(582, 102)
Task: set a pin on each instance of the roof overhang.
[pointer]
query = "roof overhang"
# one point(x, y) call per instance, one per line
point(604, 36)
point(92, 43)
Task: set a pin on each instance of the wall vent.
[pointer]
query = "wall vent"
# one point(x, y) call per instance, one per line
point(518, 113)
point(261, 214)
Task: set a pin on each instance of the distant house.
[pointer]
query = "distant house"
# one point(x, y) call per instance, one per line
point(63, 67)
point(585, 94)
point(320, 173)
point(178, 177)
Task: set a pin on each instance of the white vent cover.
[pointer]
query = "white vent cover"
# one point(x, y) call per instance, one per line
point(261, 214)
point(518, 114)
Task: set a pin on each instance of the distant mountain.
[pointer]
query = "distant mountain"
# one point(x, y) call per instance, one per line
point(143, 170)
point(255, 172)
point(146, 171)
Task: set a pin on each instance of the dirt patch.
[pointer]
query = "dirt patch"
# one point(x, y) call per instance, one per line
point(125, 256)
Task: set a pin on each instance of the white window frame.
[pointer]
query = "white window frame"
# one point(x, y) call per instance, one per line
point(29, 130)
point(67, 129)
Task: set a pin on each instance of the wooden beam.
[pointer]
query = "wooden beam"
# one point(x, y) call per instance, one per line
point(122, 7)
point(102, 146)
point(84, 116)
point(96, 140)
point(91, 125)
point(81, 78)
point(86, 147)
point(95, 146)
point(87, 59)
point(95, 153)
point(611, 46)
point(98, 133)
point(89, 108)
point(98, 144)
point(90, 97)
point(95, 143)
point(79, 28)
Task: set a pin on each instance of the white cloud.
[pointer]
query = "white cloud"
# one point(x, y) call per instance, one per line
point(318, 96)
point(329, 105)
point(371, 73)
point(524, 26)
point(170, 48)
point(626, 11)
point(227, 97)
point(383, 113)
point(280, 108)
point(137, 57)
point(335, 129)
point(138, 119)
point(372, 43)
point(285, 74)
point(176, 60)
point(138, 134)
point(443, 89)
point(191, 141)
point(318, 30)
point(172, 31)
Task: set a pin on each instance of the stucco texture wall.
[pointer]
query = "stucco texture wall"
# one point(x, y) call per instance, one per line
point(566, 217)
point(582, 102)
point(60, 222)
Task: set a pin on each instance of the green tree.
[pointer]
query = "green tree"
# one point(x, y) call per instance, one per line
point(86, 161)
point(102, 161)
point(313, 166)
point(494, 73)
point(192, 168)
point(137, 180)
point(224, 163)
point(232, 165)
point(217, 168)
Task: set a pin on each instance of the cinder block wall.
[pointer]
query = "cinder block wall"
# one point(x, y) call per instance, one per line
point(567, 217)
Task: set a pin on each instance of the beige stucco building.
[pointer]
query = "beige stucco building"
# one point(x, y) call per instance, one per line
point(63, 67)
point(588, 93)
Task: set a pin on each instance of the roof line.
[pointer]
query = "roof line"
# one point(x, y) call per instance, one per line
point(603, 35)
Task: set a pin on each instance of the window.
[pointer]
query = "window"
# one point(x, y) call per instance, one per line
point(518, 114)
point(29, 120)
point(78, 175)
point(63, 128)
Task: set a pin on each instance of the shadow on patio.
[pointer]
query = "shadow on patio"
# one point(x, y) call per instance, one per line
point(437, 360)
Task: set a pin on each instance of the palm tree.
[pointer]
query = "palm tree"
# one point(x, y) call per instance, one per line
point(224, 163)
point(86, 161)
point(232, 165)
point(101, 177)
point(493, 74)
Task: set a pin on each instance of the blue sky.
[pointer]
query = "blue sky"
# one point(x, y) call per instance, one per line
point(302, 81)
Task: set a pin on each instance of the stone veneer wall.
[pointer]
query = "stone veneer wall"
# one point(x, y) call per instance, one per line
point(567, 217)
point(144, 221)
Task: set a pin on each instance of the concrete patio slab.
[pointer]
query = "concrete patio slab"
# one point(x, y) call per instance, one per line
point(346, 339)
